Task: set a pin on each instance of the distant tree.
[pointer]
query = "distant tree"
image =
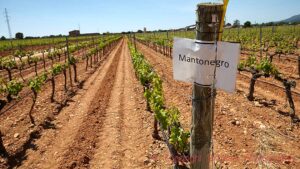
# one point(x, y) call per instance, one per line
point(106, 33)
point(281, 23)
point(228, 24)
point(125, 32)
point(269, 24)
point(139, 31)
point(247, 24)
point(3, 38)
point(236, 23)
point(19, 35)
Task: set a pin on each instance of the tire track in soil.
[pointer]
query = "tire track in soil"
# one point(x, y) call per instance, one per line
point(242, 144)
point(82, 148)
point(52, 146)
point(125, 134)
point(110, 133)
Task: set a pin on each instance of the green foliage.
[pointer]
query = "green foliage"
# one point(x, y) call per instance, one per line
point(282, 40)
point(263, 66)
point(65, 66)
point(267, 67)
point(72, 60)
point(247, 24)
point(52, 54)
point(14, 87)
point(37, 82)
point(250, 63)
point(7, 63)
point(168, 118)
point(34, 59)
point(56, 69)
point(30, 53)
point(19, 53)
point(2, 86)
point(180, 139)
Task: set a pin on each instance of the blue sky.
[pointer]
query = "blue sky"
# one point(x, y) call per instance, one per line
point(45, 17)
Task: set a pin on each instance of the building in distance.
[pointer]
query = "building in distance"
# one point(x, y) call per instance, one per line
point(74, 33)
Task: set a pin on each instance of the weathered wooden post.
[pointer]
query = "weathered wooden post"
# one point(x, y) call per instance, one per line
point(91, 57)
point(68, 54)
point(239, 31)
point(260, 41)
point(134, 42)
point(203, 99)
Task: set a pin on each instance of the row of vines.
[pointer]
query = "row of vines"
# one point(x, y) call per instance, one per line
point(11, 87)
point(93, 53)
point(283, 41)
point(176, 137)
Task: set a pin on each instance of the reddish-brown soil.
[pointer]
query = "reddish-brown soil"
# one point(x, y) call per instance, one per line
point(101, 122)
point(15, 121)
point(246, 134)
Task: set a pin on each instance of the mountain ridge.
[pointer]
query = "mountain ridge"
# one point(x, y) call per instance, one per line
point(292, 19)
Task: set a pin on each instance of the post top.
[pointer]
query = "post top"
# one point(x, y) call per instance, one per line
point(209, 4)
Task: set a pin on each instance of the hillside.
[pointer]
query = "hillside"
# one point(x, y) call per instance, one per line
point(295, 18)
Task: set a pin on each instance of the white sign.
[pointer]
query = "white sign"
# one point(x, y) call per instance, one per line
point(195, 61)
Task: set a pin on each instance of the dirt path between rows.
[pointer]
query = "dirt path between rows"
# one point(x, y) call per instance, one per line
point(124, 136)
point(53, 145)
point(245, 135)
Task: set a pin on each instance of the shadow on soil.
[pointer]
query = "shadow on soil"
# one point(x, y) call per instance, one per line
point(16, 159)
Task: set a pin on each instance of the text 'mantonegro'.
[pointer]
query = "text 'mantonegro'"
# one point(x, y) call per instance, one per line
point(195, 61)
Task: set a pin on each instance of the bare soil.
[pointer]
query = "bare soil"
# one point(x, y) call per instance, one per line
point(246, 134)
point(103, 122)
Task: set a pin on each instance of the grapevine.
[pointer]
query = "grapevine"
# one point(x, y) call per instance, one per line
point(168, 118)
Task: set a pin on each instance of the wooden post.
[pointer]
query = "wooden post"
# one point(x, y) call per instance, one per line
point(68, 54)
point(260, 40)
point(92, 55)
point(31, 45)
point(53, 44)
point(12, 49)
point(294, 28)
point(203, 103)
point(239, 33)
point(134, 42)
